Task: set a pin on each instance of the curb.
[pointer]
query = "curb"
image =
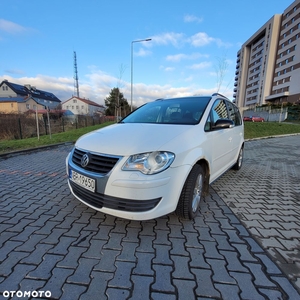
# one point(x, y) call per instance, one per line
point(13, 153)
point(271, 137)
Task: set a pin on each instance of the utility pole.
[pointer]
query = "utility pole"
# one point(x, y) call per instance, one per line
point(76, 85)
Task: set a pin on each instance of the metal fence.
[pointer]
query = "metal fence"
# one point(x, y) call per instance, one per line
point(290, 113)
point(21, 126)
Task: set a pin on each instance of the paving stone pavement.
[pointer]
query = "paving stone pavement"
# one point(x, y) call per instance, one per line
point(243, 245)
point(265, 197)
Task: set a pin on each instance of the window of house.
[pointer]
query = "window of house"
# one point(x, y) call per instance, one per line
point(11, 105)
point(28, 106)
point(74, 100)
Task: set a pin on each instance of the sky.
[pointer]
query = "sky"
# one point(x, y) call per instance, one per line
point(192, 50)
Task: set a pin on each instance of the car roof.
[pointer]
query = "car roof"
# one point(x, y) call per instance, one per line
point(194, 97)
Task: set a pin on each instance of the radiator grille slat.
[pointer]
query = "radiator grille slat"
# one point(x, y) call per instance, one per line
point(101, 164)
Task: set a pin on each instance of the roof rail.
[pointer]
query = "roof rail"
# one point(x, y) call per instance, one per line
point(218, 94)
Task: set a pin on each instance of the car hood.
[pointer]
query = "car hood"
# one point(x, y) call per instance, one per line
point(125, 139)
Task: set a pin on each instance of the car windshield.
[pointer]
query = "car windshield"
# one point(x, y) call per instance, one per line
point(186, 111)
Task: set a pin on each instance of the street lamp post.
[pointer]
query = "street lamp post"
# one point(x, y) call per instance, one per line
point(131, 92)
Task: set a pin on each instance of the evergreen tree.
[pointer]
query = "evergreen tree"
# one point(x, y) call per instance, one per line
point(116, 104)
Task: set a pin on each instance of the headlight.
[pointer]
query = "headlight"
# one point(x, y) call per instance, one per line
point(150, 162)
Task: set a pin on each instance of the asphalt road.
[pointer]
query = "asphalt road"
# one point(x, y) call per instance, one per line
point(244, 244)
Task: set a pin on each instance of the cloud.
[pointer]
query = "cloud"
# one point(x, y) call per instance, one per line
point(172, 38)
point(97, 85)
point(176, 57)
point(142, 52)
point(190, 78)
point(201, 39)
point(169, 69)
point(192, 18)
point(14, 71)
point(182, 56)
point(201, 65)
point(11, 27)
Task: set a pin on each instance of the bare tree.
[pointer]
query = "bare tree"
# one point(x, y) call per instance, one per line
point(221, 70)
point(118, 109)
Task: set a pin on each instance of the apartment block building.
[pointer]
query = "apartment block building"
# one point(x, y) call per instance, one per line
point(268, 63)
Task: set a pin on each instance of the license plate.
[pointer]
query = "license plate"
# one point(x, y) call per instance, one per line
point(84, 181)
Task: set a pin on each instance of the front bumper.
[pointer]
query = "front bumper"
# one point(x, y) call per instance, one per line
point(100, 201)
point(131, 195)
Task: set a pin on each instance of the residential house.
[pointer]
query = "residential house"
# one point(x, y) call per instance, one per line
point(16, 98)
point(82, 106)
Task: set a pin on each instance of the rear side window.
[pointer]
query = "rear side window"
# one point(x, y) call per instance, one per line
point(234, 114)
point(218, 112)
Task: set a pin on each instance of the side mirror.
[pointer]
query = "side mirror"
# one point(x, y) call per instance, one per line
point(223, 124)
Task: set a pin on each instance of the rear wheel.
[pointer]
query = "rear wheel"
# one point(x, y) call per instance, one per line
point(191, 194)
point(239, 161)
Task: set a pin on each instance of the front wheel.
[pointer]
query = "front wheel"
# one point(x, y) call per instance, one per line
point(239, 161)
point(191, 194)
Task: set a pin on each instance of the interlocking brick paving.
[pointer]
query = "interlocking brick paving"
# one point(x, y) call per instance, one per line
point(51, 242)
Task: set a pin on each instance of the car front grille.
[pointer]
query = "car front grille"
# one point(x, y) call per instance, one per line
point(97, 163)
point(99, 200)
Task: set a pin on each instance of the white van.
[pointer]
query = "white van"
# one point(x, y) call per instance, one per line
point(159, 159)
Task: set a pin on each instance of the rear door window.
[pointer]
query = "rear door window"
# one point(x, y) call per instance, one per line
point(234, 114)
point(218, 112)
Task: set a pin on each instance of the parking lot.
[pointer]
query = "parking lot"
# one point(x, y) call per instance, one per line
point(244, 244)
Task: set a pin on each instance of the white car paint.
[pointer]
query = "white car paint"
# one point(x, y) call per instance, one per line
point(189, 142)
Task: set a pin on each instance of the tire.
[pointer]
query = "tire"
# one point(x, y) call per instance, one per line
point(191, 194)
point(239, 161)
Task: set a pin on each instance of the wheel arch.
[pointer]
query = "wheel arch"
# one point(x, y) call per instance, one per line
point(205, 165)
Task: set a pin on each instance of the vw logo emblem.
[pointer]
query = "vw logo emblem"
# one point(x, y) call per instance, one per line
point(85, 160)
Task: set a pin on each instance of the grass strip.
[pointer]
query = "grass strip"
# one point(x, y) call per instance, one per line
point(252, 130)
